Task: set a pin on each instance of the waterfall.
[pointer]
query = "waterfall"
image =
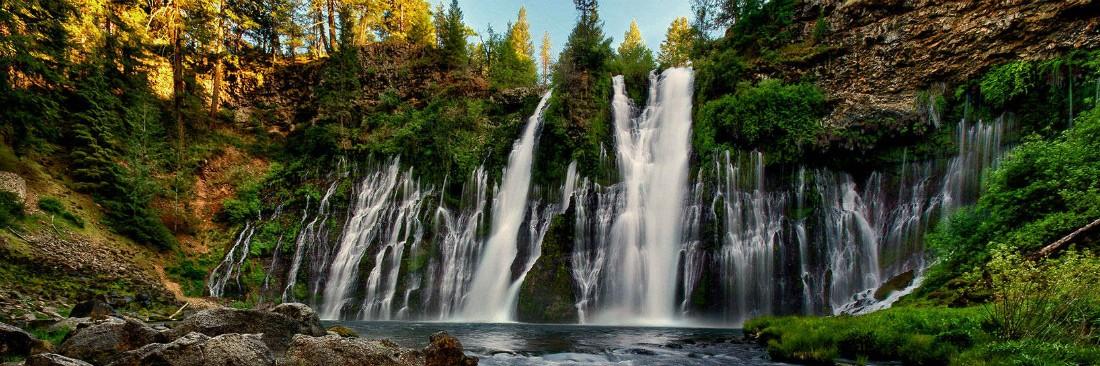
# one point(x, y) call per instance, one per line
point(488, 296)
point(653, 152)
point(382, 202)
point(651, 245)
point(310, 236)
point(459, 243)
point(754, 223)
point(231, 263)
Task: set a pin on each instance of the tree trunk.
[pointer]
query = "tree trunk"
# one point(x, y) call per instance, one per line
point(319, 17)
point(216, 90)
point(331, 26)
point(1075, 236)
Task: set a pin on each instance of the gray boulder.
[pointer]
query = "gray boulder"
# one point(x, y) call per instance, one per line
point(196, 349)
point(103, 341)
point(337, 350)
point(308, 321)
point(53, 359)
point(17, 342)
point(94, 308)
point(277, 329)
point(446, 350)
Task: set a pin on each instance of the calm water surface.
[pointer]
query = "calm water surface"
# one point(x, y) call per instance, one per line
point(543, 344)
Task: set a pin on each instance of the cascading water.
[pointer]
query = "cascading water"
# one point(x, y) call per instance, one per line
point(488, 299)
point(656, 247)
point(375, 215)
point(653, 150)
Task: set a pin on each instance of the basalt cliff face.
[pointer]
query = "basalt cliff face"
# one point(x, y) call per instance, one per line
point(879, 54)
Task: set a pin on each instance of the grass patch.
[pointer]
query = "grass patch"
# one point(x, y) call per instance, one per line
point(917, 336)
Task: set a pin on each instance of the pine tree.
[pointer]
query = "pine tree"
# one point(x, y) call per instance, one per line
point(451, 36)
point(520, 38)
point(545, 58)
point(632, 39)
point(676, 49)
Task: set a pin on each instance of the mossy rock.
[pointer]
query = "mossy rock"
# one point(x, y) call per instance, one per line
point(343, 331)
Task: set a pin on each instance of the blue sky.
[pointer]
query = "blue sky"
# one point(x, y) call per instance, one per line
point(559, 16)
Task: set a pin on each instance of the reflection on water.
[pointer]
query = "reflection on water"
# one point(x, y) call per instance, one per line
point(541, 344)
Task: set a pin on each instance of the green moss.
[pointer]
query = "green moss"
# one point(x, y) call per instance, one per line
point(54, 206)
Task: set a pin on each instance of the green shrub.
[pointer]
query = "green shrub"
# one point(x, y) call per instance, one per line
point(10, 209)
point(1052, 300)
point(783, 119)
point(1007, 81)
point(54, 206)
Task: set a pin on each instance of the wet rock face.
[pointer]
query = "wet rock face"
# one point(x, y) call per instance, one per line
point(277, 329)
point(103, 341)
point(53, 359)
point(17, 342)
point(337, 350)
point(446, 350)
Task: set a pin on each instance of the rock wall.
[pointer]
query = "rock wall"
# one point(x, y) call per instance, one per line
point(882, 52)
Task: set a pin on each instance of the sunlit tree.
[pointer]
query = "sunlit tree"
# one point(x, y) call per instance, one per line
point(676, 49)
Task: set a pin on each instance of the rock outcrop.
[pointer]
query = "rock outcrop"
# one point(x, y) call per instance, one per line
point(17, 342)
point(53, 359)
point(878, 54)
point(103, 341)
point(337, 350)
point(289, 334)
point(277, 329)
point(196, 349)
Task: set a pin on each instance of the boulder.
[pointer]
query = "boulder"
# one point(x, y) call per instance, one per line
point(94, 308)
point(103, 341)
point(308, 321)
point(13, 183)
point(53, 359)
point(446, 350)
point(196, 349)
point(277, 329)
point(337, 350)
point(17, 342)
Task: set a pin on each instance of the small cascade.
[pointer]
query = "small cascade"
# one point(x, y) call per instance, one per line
point(487, 299)
point(310, 237)
point(595, 214)
point(653, 151)
point(405, 230)
point(381, 203)
point(693, 257)
point(459, 242)
point(753, 233)
point(230, 266)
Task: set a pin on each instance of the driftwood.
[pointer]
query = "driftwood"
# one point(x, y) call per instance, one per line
point(1066, 240)
point(177, 313)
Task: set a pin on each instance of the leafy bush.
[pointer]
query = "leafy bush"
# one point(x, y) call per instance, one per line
point(1053, 300)
point(54, 206)
point(1007, 81)
point(782, 119)
point(10, 209)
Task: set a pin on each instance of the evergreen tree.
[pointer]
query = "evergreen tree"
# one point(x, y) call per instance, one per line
point(408, 21)
point(676, 49)
point(545, 58)
point(520, 37)
point(451, 36)
point(634, 61)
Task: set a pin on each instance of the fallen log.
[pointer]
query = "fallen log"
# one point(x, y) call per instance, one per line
point(1066, 240)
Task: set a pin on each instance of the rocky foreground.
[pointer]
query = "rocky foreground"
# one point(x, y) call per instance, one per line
point(287, 334)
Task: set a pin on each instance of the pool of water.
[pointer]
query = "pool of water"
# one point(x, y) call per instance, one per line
point(545, 344)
